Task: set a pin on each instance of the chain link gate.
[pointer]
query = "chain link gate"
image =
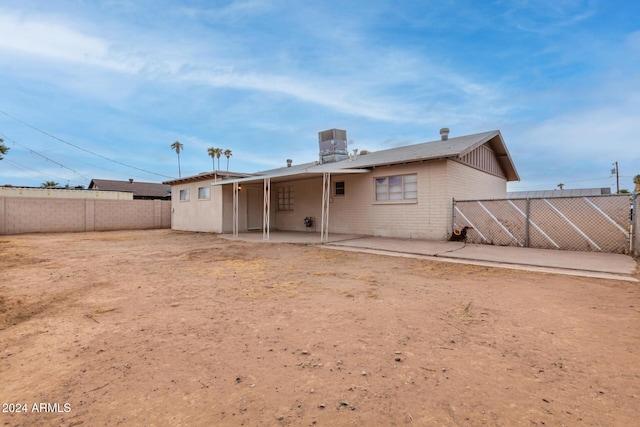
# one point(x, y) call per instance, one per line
point(593, 223)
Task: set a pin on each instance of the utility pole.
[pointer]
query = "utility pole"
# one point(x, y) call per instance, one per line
point(617, 177)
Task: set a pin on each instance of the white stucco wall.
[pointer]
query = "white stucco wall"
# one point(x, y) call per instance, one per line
point(193, 214)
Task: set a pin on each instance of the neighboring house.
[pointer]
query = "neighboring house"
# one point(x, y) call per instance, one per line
point(140, 190)
point(400, 192)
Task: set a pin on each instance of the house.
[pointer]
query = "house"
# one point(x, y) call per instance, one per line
point(401, 192)
point(140, 190)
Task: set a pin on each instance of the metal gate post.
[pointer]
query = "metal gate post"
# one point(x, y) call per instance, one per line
point(526, 227)
point(453, 214)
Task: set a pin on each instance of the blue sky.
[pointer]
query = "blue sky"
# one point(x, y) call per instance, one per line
point(124, 79)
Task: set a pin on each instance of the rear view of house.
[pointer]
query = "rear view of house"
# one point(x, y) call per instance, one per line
point(401, 192)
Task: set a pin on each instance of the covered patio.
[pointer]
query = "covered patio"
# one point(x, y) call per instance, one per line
point(289, 174)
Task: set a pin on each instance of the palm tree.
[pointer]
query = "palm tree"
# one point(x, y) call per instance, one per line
point(561, 186)
point(218, 154)
point(3, 149)
point(227, 154)
point(178, 147)
point(636, 181)
point(49, 184)
point(213, 152)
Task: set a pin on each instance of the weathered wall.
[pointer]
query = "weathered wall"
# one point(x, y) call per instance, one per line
point(20, 215)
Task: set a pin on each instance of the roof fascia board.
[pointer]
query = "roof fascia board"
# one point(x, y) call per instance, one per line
point(304, 174)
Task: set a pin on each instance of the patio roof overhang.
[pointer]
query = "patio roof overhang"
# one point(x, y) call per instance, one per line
point(282, 176)
point(293, 175)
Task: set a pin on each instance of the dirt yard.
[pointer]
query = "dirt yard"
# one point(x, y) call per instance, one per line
point(181, 329)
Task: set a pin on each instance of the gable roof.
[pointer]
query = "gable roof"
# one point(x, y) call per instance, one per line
point(452, 148)
point(139, 189)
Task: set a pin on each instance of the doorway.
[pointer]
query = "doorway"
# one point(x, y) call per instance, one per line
point(254, 209)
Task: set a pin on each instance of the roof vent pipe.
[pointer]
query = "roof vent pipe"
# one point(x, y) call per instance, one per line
point(444, 133)
point(289, 162)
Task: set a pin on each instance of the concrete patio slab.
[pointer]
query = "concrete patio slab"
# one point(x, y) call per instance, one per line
point(589, 264)
point(586, 264)
point(299, 237)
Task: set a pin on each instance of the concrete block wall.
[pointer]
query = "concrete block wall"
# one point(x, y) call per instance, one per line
point(307, 201)
point(20, 215)
point(357, 212)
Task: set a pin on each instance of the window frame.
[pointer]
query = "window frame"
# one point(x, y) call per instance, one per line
point(208, 192)
point(391, 189)
point(184, 192)
point(335, 189)
point(286, 198)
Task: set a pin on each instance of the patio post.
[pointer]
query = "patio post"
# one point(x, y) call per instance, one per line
point(235, 209)
point(326, 193)
point(266, 207)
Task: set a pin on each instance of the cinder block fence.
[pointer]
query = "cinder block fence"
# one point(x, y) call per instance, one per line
point(20, 215)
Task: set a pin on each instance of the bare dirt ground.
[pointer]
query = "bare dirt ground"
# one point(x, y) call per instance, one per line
point(167, 328)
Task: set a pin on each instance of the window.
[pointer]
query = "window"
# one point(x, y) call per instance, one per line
point(285, 198)
point(339, 188)
point(184, 194)
point(203, 193)
point(399, 187)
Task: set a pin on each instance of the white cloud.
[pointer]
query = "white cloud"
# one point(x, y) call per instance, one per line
point(373, 83)
point(52, 39)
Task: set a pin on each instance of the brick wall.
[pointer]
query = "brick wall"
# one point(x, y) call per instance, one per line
point(38, 215)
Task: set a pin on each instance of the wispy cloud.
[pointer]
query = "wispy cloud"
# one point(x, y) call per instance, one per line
point(262, 77)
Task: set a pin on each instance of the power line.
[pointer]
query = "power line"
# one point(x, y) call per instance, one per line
point(80, 148)
point(42, 155)
point(37, 174)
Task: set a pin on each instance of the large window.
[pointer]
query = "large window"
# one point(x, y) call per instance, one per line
point(285, 198)
point(203, 193)
point(184, 194)
point(399, 187)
